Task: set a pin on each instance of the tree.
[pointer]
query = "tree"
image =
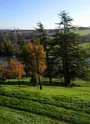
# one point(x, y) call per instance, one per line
point(40, 27)
point(16, 69)
point(69, 52)
point(42, 34)
point(12, 70)
point(65, 23)
point(6, 46)
point(34, 56)
point(5, 73)
point(46, 42)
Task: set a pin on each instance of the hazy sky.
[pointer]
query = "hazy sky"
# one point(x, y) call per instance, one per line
point(26, 13)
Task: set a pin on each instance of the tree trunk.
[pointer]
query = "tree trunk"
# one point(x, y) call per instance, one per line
point(26, 73)
point(50, 77)
point(19, 82)
point(66, 72)
point(40, 82)
point(34, 79)
point(65, 62)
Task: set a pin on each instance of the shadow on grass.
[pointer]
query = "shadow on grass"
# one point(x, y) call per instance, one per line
point(47, 83)
point(74, 85)
point(44, 83)
point(17, 83)
point(60, 84)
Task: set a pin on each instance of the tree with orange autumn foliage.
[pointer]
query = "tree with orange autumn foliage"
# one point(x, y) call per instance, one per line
point(35, 57)
point(16, 68)
point(5, 73)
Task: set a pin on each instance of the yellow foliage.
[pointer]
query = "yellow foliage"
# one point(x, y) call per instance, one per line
point(36, 57)
point(17, 68)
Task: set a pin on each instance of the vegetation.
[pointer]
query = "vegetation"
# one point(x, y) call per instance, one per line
point(73, 62)
point(82, 32)
point(12, 70)
point(59, 62)
point(34, 57)
point(59, 105)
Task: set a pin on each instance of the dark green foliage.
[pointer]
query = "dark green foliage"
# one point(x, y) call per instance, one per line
point(71, 59)
point(42, 34)
point(6, 46)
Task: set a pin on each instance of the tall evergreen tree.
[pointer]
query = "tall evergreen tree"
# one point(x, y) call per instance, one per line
point(42, 34)
point(70, 52)
point(65, 24)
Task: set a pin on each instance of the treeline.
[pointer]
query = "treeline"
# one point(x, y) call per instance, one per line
point(56, 55)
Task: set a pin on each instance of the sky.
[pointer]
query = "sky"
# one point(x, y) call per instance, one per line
point(25, 14)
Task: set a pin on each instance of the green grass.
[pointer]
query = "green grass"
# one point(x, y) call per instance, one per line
point(52, 105)
point(86, 46)
point(12, 116)
point(82, 32)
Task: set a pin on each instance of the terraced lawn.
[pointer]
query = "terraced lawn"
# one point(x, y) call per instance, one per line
point(52, 105)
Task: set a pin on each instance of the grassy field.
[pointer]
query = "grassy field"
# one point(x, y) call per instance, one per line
point(86, 47)
point(82, 32)
point(51, 105)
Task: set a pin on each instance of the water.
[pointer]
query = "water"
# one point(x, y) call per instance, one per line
point(4, 60)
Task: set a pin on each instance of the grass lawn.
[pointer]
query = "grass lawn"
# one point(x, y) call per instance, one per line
point(51, 105)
